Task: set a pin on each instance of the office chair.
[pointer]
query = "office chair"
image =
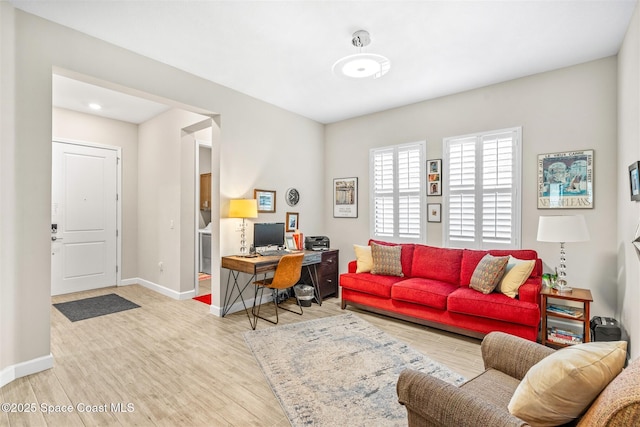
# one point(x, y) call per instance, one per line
point(286, 275)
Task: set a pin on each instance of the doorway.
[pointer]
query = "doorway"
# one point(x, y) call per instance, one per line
point(85, 215)
point(203, 216)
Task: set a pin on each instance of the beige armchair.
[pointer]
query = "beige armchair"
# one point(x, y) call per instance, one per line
point(483, 400)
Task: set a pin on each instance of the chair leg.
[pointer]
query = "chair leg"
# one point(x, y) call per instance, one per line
point(256, 313)
point(295, 312)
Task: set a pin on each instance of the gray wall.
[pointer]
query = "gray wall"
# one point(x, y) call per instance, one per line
point(627, 291)
point(259, 146)
point(569, 109)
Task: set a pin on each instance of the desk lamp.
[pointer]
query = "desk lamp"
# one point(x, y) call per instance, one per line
point(562, 229)
point(243, 208)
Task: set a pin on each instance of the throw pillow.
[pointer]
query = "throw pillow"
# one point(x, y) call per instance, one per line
point(488, 273)
point(364, 261)
point(386, 260)
point(515, 274)
point(557, 389)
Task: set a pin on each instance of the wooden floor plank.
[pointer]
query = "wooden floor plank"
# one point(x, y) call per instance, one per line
point(174, 363)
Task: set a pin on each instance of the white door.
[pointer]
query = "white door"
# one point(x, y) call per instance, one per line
point(83, 218)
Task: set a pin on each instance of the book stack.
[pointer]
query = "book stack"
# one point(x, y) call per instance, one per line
point(563, 336)
point(565, 310)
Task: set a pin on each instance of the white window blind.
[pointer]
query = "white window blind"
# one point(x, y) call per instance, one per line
point(397, 201)
point(482, 190)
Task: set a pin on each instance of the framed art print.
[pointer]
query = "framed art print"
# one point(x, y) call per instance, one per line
point(266, 200)
point(434, 177)
point(345, 198)
point(565, 180)
point(433, 212)
point(634, 181)
point(292, 221)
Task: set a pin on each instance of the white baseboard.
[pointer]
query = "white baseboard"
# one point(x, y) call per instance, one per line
point(159, 288)
point(23, 369)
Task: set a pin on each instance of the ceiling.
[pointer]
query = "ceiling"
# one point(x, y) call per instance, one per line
point(282, 52)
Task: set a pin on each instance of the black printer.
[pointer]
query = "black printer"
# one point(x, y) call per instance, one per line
point(605, 329)
point(316, 243)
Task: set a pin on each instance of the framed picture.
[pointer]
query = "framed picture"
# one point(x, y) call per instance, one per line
point(433, 210)
point(292, 221)
point(634, 180)
point(565, 180)
point(434, 177)
point(345, 198)
point(266, 200)
point(290, 243)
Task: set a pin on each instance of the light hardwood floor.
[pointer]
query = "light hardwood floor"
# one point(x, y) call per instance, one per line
point(174, 364)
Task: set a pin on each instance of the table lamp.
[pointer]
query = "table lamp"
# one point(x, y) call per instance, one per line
point(562, 229)
point(243, 208)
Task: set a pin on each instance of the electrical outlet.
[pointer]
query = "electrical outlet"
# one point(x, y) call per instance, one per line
point(161, 266)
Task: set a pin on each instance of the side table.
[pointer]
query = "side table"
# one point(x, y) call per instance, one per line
point(562, 324)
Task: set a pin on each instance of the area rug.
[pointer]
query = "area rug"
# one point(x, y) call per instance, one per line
point(94, 307)
point(204, 298)
point(338, 371)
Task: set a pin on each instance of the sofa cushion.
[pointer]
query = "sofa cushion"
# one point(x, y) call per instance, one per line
point(495, 306)
point(443, 264)
point(488, 273)
point(471, 258)
point(515, 274)
point(386, 260)
point(432, 293)
point(364, 260)
point(369, 283)
point(557, 389)
point(407, 254)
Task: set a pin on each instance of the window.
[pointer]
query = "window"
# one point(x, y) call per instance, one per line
point(397, 192)
point(482, 190)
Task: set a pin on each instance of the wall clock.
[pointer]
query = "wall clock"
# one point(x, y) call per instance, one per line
point(292, 196)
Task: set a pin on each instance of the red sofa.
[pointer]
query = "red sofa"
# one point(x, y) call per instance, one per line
point(435, 292)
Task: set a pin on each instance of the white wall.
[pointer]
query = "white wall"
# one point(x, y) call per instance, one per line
point(73, 125)
point(568, 109)
point(260, 146)
point(628, 285)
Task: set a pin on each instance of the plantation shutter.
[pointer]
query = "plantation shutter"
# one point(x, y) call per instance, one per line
point(482, 204)
point(397, 192)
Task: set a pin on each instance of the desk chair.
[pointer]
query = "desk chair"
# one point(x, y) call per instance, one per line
point(286, 275)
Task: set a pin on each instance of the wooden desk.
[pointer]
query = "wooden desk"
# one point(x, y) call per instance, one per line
point(254, 266)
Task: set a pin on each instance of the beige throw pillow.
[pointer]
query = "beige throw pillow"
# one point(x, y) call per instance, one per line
point(557, 389)
point(515, 274)
point(488, 272)
point(364, 261)
point(386, 260)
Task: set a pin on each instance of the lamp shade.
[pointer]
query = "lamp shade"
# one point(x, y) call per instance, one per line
point(562, 228)
point(243, 208)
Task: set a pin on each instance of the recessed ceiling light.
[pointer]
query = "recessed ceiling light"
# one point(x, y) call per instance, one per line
point(362, 65)
point(95, 106)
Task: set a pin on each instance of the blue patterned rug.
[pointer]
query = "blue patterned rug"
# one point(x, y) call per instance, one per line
point(338, 371)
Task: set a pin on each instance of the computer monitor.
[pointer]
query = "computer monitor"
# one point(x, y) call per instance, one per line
point(268, 234)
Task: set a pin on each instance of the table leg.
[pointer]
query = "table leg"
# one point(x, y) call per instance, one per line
point(228, 294)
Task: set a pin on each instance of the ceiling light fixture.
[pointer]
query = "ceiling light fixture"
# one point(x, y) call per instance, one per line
point(362, 65)
point(95, 106)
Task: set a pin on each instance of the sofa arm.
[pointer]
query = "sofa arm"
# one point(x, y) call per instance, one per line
point(510, 354)
point(530, 290)
point(352, 267)
point(433, 402)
